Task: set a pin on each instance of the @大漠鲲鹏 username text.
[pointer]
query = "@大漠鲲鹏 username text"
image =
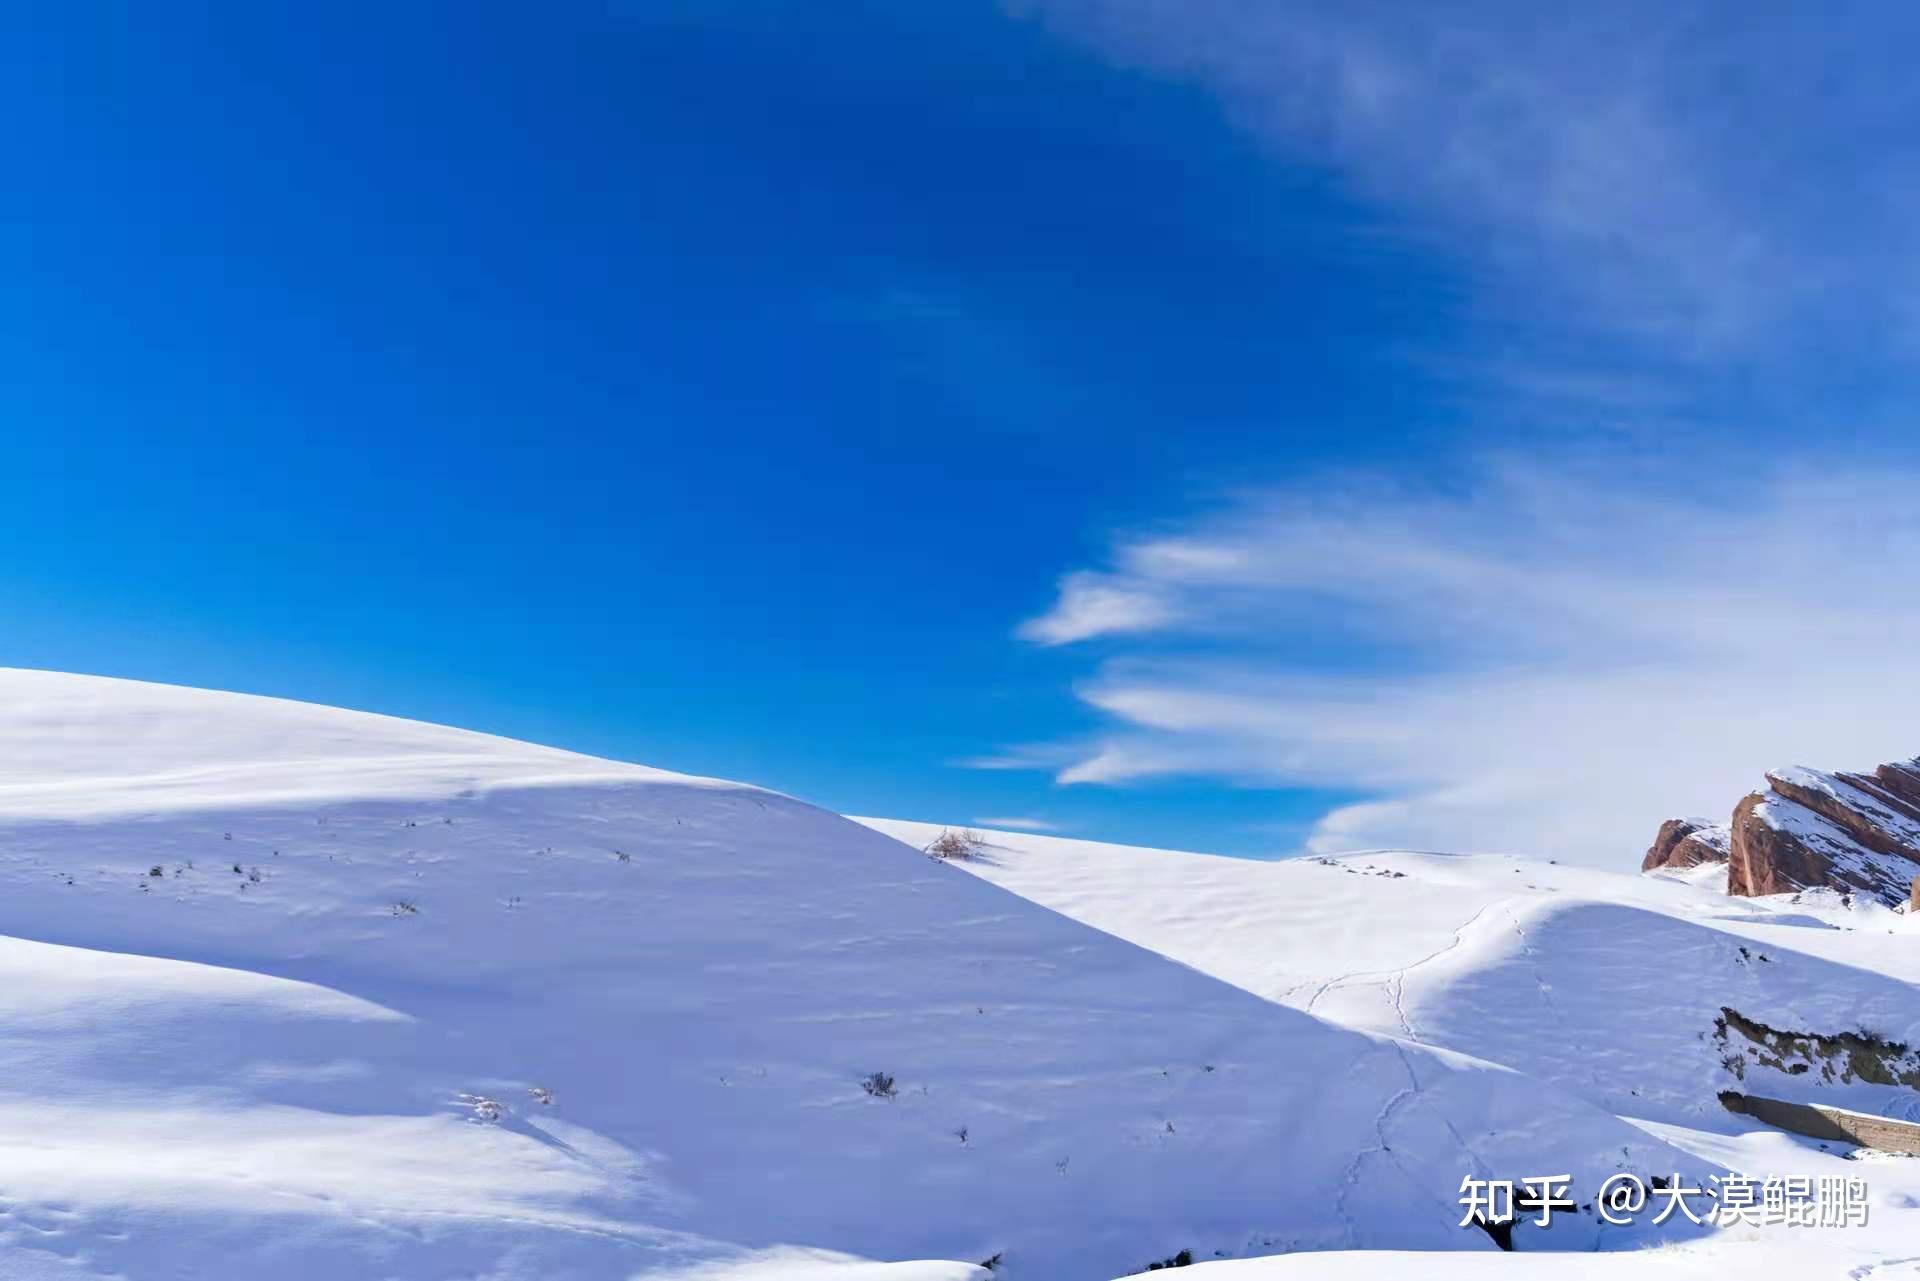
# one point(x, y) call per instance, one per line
point(1726, 1200)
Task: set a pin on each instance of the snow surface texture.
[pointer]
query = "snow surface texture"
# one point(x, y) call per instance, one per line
point(303, 993)
point(1598, 985)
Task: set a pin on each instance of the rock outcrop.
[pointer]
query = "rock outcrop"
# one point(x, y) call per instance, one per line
point(1687, 842)
point(1856, 833)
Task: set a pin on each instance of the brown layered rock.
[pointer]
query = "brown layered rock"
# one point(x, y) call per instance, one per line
point(1901, 778)
point(1857, 805)
point(1855, 833)
point(1765, 859)
point(1686, 842)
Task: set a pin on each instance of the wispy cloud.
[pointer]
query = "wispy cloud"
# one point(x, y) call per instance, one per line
point(1091, 605)
point(1663, 214)
point(1548, 660)
point(1019, 824)
point(1667, 170)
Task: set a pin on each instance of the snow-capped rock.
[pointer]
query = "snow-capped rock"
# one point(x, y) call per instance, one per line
point(1849, 832)
point(1687, 842)
point(1809, 829)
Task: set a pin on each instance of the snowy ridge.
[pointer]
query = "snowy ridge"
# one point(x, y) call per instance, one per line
point(92, 746)
point(1604, 986)
point(350, 996)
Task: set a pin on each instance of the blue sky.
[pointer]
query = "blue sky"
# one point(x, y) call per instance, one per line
point(1146, 419)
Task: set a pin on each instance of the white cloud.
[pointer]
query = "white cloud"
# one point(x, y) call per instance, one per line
point(1551, 661)
point(1644, 202)
point(1663, 168)
point(1018, 824)
point(1090, 605)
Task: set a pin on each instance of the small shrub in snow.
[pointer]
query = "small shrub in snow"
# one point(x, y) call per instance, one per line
point(879, 1085)
point(404, 908)
point(541, 1095)
point(951, 844)
point(485, 1110)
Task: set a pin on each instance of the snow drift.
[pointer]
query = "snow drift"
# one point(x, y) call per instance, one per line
point(309, 993)
point(1643, 995)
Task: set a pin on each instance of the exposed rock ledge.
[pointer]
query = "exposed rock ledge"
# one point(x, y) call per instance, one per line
point(1856, 833)
point(1686, 842)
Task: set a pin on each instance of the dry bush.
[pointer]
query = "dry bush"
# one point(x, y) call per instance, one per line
point(964, 843)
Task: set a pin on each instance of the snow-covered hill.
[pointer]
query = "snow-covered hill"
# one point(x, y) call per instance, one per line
point(303, 993)
point(1610, 987)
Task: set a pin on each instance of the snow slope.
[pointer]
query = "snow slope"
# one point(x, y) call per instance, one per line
point(303, 993)
point(1606, 986)
point(85, 747)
